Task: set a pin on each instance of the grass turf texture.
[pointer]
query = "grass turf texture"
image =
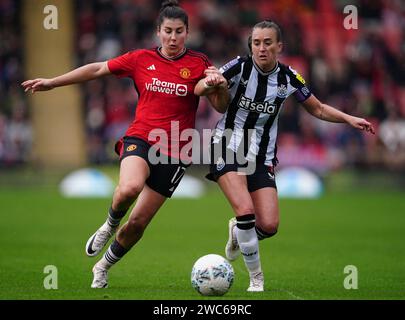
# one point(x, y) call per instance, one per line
point(305, 260)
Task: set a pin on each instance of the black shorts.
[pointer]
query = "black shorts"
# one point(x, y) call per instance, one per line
point(262, 176)
point(164, 178)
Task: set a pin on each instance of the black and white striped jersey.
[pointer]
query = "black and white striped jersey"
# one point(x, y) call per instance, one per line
point(250, 123)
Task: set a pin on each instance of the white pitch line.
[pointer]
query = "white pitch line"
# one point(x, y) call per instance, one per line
point(292, 294)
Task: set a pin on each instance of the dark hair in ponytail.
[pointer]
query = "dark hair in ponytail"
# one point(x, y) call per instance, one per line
point(171, 10)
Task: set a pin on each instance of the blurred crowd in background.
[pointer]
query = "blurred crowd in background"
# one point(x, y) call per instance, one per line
point(15, 128)
point(360, 71)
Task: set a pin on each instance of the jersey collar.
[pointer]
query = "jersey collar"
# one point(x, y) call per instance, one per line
point(261, 71)
point(160, 53)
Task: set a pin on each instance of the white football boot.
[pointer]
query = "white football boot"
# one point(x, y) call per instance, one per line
point(100, 279)
point(256, 283)
point(232, 250)
point(99, 239)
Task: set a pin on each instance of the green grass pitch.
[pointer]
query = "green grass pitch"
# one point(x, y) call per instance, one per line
point(305, 260)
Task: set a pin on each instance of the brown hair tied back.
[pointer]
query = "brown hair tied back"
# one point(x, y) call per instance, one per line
point(171, 10)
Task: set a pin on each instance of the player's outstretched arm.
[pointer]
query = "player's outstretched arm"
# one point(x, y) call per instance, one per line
point(87, 72)
point(325, 112)
point(215, 87)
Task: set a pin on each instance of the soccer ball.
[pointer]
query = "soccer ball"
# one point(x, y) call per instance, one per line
point(212, 275)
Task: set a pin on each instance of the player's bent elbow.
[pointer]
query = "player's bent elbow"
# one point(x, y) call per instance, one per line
point(102, 69)
point(219, 103)
point(221, 108)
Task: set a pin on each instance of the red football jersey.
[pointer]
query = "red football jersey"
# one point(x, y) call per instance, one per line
point(166, 104)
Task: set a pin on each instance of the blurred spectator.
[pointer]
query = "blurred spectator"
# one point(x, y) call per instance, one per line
point(392, 135)
point(15, 128)
point(3, 140)
point(19, 135)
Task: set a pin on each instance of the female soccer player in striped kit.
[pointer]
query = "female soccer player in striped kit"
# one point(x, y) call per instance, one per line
point(165, 79)
point(258, 86)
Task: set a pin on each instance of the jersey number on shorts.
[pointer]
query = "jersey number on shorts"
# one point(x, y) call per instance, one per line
point(177, 177)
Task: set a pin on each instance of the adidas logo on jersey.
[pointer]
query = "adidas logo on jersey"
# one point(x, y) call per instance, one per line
point(152, 67)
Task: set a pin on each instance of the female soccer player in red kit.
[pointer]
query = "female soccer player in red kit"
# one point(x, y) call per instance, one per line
point(165, 78)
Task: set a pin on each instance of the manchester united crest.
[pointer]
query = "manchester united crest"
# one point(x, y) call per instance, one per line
point(132, 147)
point(185, 73)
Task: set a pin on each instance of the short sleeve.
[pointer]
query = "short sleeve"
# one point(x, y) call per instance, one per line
point(232, 68)
point(302, 92)
point(207, 63)
point(124, 65)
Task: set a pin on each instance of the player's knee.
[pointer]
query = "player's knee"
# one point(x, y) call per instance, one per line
point(130, 190)
point(267, 229)
point(271, 227)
